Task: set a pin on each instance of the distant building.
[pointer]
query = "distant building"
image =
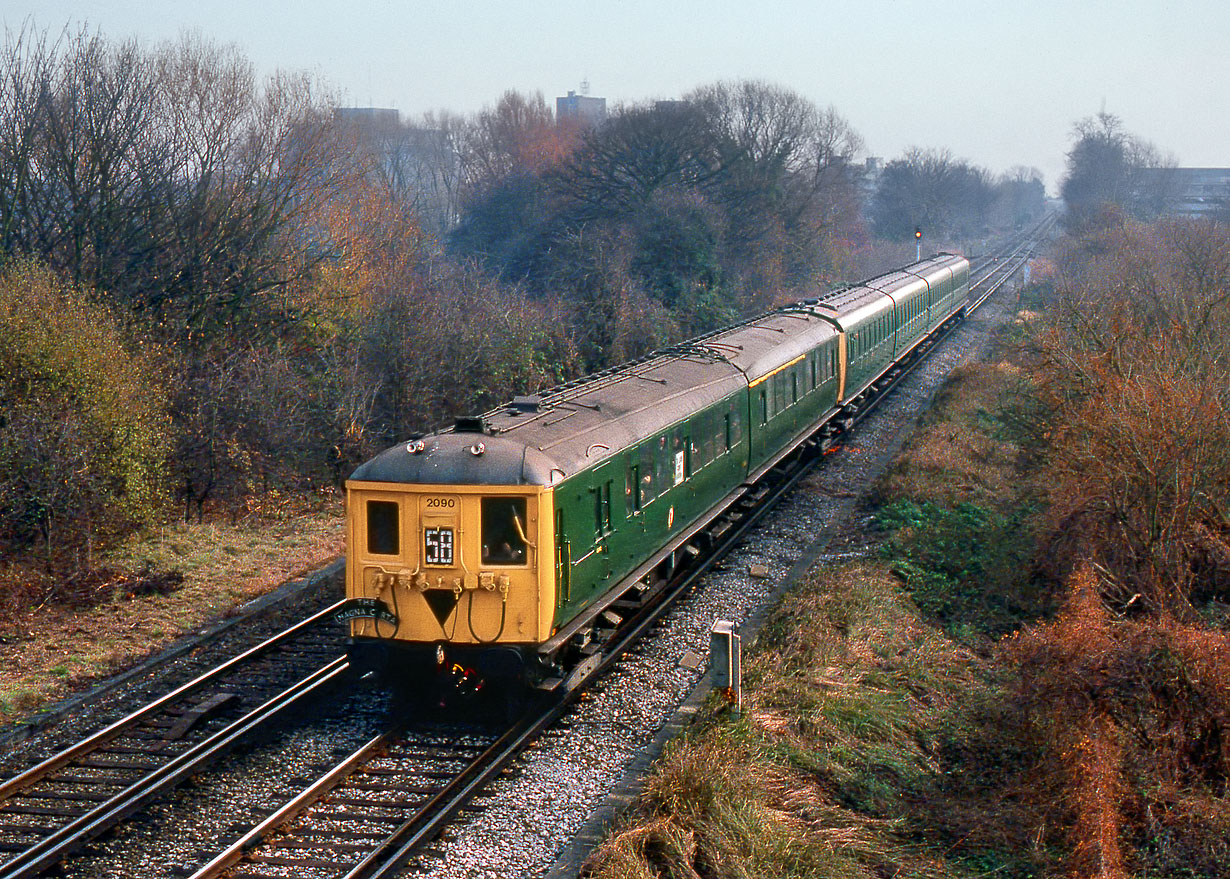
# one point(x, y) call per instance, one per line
point(418, 165)
point(590, 111)
point(1194, 192)
point(868, 179)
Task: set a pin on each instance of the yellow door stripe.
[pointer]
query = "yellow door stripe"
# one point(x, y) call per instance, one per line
point(770, 375)
point(842, 358)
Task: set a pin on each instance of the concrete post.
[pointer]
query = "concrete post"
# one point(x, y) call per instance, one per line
point(725, 660)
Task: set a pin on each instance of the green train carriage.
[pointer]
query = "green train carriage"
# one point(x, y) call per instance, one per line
point(498, 543)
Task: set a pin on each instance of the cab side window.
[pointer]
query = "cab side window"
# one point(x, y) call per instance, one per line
point(383, 530)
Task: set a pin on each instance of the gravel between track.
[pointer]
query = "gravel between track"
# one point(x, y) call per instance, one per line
point(545, 815)
point(544, 818)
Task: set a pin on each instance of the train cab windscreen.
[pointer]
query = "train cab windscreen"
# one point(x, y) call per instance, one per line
point(504, 537)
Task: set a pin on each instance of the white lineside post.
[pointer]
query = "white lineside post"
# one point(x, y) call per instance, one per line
point(725, 660)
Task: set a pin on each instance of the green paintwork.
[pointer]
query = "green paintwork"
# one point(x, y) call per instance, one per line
point(604, 533)
point(597, 554)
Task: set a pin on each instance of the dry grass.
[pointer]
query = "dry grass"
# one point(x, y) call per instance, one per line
point(48, 651)
point(859, 755)
point(959, 452)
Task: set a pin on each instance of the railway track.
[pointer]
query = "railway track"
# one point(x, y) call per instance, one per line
point(332, 828)
point(990, 273)
point(55, 807)
point(379, 806)
point(376, 799)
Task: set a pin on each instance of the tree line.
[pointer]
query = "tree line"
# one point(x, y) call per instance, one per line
point(929, 189)
point(252, 291)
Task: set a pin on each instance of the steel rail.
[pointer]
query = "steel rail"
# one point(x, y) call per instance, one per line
point(38, 772)
point(1008, 265)
point(391, 854)
point(52, 849)
point(235, 852)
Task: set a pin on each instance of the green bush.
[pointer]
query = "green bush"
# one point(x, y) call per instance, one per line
point(85, 432)
point(966, 566)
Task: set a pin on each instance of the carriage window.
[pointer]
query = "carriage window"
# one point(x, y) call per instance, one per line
point(602, 508)
point(504, 536)
point(707, 446)
point(632, 492)
point(383, 533)
point(646, 474)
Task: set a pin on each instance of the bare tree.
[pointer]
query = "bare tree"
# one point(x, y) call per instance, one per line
point(1020, 197)
point(25, 72)
point(1109, 166)
point(929, 189)
point(637, 152)
point(517, 136)
point(776, 145)
point(170, 180)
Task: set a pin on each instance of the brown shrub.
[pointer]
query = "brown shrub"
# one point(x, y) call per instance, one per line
point(1133, 366)
point(1134, 712)
point(1095, 788)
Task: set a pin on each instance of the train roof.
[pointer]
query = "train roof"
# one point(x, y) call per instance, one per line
point(899, 284)
point(938, 264)
point(764, 344)
point(543, 439)
point(851, 306)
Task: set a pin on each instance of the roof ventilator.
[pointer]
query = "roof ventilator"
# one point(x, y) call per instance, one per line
point(471, 424)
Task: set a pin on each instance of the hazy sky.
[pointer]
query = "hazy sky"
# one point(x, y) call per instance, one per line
point(1000, 84)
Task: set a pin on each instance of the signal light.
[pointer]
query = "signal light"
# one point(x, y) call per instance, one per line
point(918, 233)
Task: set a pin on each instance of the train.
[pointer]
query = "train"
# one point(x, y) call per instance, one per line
point(501, 548)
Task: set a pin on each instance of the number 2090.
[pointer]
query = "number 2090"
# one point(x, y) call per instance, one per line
point(441, 502)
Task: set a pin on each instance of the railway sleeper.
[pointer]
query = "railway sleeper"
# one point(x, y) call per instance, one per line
point(627, 604)
point(71, 796)
point(348, 848)
point(199, 713)
point(278, 861)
